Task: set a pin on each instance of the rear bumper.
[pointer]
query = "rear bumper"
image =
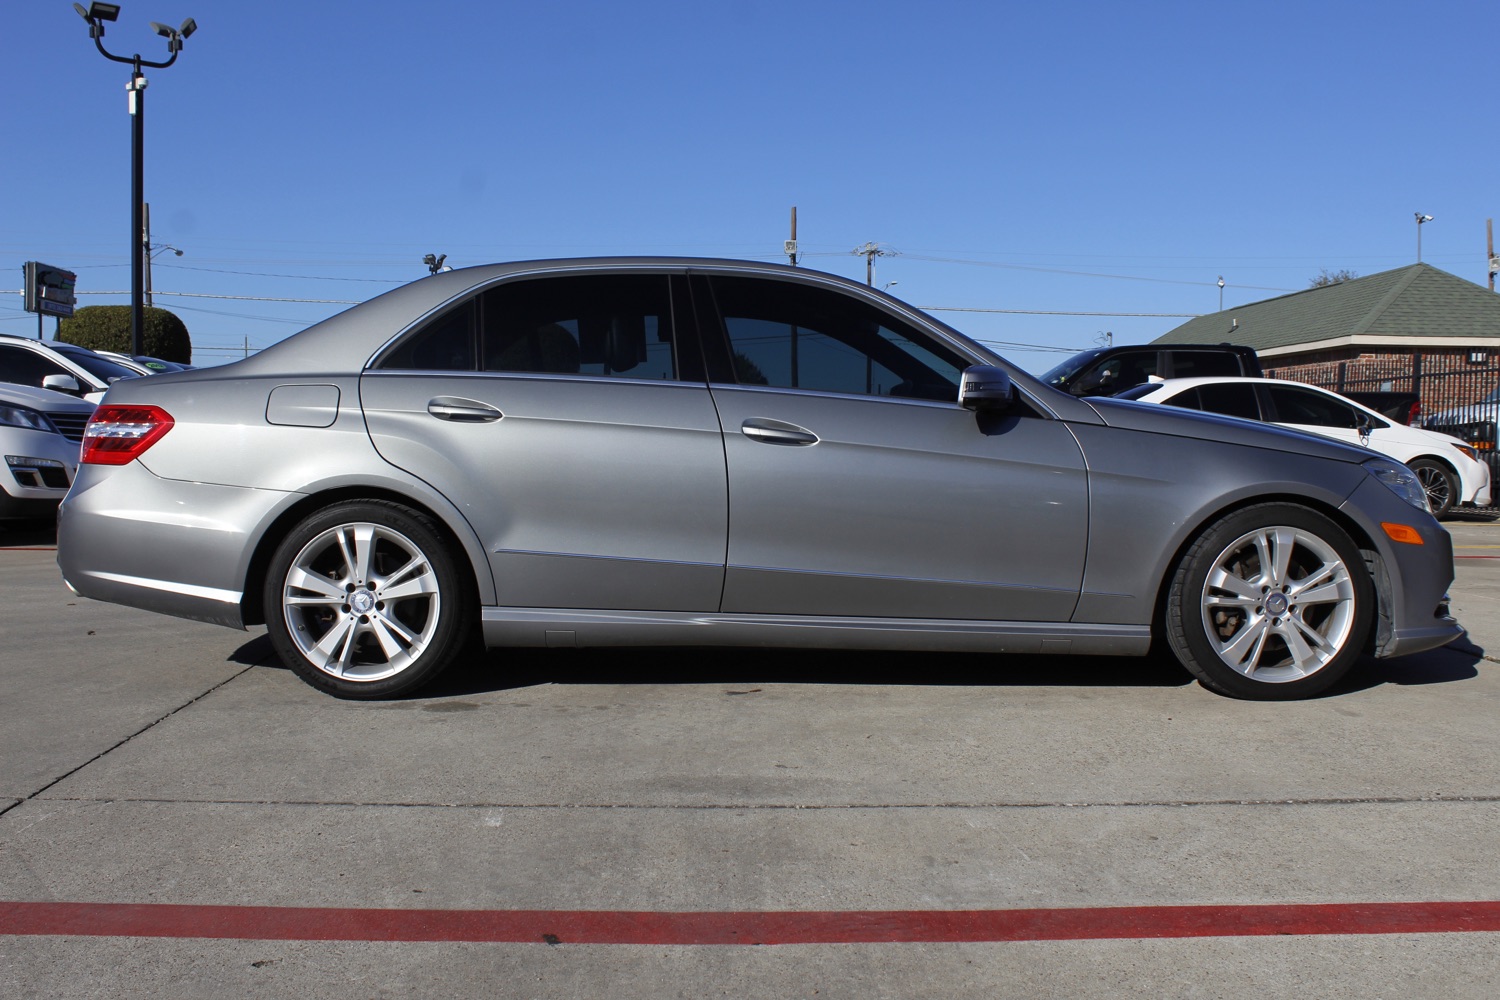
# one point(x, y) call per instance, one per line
point(178, 548)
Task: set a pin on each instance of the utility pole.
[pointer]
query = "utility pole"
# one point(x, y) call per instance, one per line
point(869, 252)
point(1489, 232)
point(790, 246)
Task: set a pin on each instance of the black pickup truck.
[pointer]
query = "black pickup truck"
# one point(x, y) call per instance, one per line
point(1107, 371)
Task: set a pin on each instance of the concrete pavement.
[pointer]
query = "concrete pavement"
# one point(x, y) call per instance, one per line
point(157, 761)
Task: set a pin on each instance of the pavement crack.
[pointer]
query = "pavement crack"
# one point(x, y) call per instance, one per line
point(806, 807)
point(111, 749)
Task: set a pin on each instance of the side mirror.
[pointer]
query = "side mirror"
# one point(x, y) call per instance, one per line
point(62, 383)
point(984, 387)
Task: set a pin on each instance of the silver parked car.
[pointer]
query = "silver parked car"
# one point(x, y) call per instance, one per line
point(40, 435)
point(622, 452)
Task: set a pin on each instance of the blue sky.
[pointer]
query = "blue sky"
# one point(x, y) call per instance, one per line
point(1069, 157)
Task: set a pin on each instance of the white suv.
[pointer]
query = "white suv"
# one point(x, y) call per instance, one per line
point(49, 364)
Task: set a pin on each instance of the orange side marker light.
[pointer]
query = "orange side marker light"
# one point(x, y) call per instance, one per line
point(1402, 533)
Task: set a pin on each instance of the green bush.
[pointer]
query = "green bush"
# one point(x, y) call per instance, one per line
point(107, 328)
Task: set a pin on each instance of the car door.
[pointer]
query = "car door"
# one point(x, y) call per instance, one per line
point(858, 487)
point(560, 416)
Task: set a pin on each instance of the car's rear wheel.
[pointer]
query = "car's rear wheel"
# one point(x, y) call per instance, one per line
point(1271, 602)
point(364, 600)
point(1439, 482)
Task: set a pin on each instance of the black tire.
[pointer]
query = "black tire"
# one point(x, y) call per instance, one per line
point(1289, 631)
point(1439, 482)
point(365, 600)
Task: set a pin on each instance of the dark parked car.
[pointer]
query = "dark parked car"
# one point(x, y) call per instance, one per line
point(657, 451)
point(1109, 371)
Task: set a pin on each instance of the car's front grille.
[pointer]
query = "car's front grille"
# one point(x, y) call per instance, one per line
point(70, 424)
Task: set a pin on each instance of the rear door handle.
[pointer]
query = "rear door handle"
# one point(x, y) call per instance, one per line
point(770, 431)
point(463, 411)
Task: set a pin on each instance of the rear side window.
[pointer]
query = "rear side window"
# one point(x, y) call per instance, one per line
point(1188, 364)
point(444, 344)
point(615, 325)
point(612, 325)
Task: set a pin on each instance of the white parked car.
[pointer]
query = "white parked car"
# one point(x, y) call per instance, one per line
point(50, 364)
point(41, 432)
point(1450, 470)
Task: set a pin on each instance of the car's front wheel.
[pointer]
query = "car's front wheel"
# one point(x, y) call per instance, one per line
point(1439, 482)
point(1271, 602)
point(364, 600)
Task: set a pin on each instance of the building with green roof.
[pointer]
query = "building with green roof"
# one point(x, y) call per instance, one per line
point(1416, 329)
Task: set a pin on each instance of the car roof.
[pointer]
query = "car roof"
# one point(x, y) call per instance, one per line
point(350, 338)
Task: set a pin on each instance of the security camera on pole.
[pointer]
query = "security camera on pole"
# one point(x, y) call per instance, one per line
point(96, 14)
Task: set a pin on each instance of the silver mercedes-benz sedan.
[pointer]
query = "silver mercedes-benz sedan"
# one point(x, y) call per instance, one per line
point(652, 451)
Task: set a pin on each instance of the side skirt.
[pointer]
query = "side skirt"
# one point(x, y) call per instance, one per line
point(561, 627)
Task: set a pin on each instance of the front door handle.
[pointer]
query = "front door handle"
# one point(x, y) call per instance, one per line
point(769, 431)
point(463, 411)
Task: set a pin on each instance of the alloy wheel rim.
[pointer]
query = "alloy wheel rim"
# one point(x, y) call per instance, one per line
point(1435, 485)
point(361, 601)
point(1278, 604)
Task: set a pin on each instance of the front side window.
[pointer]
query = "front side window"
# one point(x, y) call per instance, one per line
point(612, 325)
point(793, 336)
point(24, 367)
point(1231, 399)
point(1303, 406)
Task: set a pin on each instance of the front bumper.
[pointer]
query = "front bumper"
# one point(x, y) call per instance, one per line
point(1412, 581)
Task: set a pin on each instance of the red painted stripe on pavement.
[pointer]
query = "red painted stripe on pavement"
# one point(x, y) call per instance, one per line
point(274, 923)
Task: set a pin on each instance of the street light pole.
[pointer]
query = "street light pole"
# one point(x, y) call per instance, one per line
point(136, 88)
point(1420, 219)
point(96, 14)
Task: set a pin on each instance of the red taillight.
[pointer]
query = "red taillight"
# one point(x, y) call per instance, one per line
point(119, 434)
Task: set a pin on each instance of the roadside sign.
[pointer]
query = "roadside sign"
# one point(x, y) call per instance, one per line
point(48, 289)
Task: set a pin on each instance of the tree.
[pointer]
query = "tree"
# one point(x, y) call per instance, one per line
point(1326, 277)
point(107, 328)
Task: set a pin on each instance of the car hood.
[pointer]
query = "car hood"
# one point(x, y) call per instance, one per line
point(44, 400)
point(1155, 418)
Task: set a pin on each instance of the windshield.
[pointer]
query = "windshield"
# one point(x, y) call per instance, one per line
point(96, 365)
point(1064, 372)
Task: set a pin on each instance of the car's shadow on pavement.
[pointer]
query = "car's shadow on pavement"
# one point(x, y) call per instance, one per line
point(511, 669)
point(1457, 661)
point(27, 534)
point(508, 669)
